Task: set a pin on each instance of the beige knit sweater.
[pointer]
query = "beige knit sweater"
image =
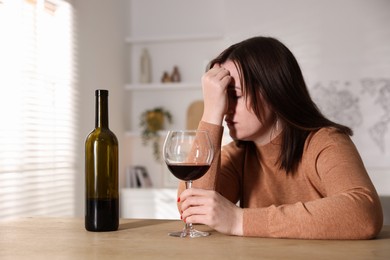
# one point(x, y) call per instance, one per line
point(330, 196)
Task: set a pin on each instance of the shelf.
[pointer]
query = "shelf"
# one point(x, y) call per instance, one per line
point(173, 38)
point(163, 86)
point(161, 133)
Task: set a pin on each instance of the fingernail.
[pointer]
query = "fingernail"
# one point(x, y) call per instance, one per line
point(178, 199)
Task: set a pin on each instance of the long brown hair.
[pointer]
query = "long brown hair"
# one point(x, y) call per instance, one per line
point(268, 69)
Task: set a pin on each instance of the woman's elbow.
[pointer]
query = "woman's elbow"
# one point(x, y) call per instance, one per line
point(373, 221)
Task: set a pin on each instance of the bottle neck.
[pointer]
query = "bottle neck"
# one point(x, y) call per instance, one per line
point(101, 118)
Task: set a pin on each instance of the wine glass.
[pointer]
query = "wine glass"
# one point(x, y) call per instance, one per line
point(188, 155)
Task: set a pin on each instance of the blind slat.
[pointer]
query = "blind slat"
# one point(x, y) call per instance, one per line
point(37, 140)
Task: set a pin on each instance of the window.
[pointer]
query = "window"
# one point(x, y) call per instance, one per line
point(37, 108)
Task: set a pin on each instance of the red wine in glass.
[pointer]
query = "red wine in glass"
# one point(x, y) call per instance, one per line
point(188, 155)
point(188, 172)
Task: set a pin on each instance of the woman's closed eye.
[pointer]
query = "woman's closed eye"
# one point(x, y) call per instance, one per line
point(234, 97)
point(233, 93)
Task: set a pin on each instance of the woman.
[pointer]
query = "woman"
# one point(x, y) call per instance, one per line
point(295, 173)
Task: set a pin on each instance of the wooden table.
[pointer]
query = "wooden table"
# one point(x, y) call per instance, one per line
point(66, 238)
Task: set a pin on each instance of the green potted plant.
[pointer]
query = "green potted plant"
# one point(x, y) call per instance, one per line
point(152, 121)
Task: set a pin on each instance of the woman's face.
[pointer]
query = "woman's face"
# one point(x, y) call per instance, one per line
point(242, 122)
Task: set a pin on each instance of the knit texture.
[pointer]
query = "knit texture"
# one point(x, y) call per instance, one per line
point(330, 196)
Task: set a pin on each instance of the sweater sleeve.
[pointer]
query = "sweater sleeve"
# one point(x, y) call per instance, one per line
point(349, 207)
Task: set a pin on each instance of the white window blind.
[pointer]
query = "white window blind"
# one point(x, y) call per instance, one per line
point(38, 105)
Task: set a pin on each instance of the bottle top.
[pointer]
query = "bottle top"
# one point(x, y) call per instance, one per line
point(101, 92)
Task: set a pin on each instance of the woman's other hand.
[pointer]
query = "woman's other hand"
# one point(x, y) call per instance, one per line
point(215, 83)
point(210, 208)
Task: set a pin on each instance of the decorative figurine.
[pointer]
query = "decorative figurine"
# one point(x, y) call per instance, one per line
point(145, 67)
point(175, 76)
point(166, 78)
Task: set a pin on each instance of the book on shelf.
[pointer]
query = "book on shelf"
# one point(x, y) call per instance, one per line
point(138, 177)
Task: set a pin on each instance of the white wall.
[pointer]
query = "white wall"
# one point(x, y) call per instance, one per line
point(333, 40)
point(101, 62)
point(336, 43)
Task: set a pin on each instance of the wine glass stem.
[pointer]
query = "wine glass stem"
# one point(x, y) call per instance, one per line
point(188, 227)
point(188, 184)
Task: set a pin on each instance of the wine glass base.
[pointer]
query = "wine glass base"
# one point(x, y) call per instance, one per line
point(189, 233)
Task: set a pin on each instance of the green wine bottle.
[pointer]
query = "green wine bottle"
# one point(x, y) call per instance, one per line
point(101, 172)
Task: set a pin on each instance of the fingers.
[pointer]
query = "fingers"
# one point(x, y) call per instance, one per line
point(192, 196)
point(195, 210)
point(196, 202)
point(195, 207)
point(197, 219)
point(214, 84)
point(210, 208)
point(218, 73)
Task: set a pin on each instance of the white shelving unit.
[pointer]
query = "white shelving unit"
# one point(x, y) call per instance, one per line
point(149, 203)
point(173, 38)
point(189, 46)
point(190, 52)
point(157, 202)
point(162, 86)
